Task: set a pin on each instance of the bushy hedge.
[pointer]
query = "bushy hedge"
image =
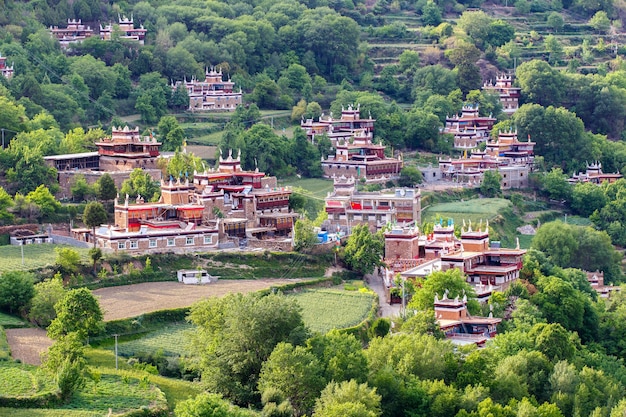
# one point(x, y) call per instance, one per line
point(360, 331)
point(40, 400)
point(5, 351)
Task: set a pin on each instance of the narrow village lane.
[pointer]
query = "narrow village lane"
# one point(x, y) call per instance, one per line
point(375, 282)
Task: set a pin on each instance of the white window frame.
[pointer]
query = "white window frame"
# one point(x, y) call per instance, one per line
point(152, 243)
point(171, 241)
point(134, 244)
point(121, 245)
point(189, 240)
point(208, 240)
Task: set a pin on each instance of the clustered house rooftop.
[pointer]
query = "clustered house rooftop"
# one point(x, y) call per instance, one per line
point(117, 156)
point(594, 175)
point(212, 93)
point(487, 267)
point(355, 152)
point(347, 207)
point(223, 207)
point(509, 95)
point(506, 154)
point(5, 70)
point(469, 128)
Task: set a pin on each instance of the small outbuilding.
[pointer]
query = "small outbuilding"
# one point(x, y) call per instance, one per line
point(195, 276)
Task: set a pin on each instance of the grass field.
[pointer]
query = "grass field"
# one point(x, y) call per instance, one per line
point(474, 210)
point(11, 321)
point(327, 309)
point(316, 187)
point(35, 257)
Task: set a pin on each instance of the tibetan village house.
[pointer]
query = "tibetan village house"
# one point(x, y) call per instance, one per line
point(469, 128)
point(509, 95)
point(347, 207)
point(118, 156)
point(212, 93)
point(126, 28)
point(74, 32)
point(5, 70)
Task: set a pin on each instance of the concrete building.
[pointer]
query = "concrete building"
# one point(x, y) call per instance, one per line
point(347, 207)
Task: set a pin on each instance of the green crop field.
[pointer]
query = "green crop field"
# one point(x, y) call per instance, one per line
point(474, 210)
point(117, 392)
point(171, 339)
point(19, 379)
point(324, 310)
point(35, 256)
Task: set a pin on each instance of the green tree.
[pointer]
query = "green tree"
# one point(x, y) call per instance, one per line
point(573, 246)
point(410, 176)
point(78, 311)
point(170, 133)
point(587, 198)
point(540, 83)
point(236, 334)
point(555, 185)
point(409, 355)
point(304, 234)
point(600, 22)
point(438, 283)
point(65, 359)
point(553, 341)
point(80, 189)
point(555, 21)
point(94, 216)
point(490, 186)
point(140, 183)
point(554, 48)
point(16, 290)
point(47, 294)
point(422, 130)
point(364, 250)
point(296, 373)
point(340, 355)
point(6, 203)
point(68, 259)
point(106, 189)
point(431, 14)
point(209, 405)
point(348, 398)
point(45, 201)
